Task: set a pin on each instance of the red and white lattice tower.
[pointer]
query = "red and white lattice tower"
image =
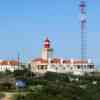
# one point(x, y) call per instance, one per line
point(83, 22)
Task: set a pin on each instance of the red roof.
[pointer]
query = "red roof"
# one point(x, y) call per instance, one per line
point(40, 60)
point(47, 40)
point(6, 62)
point(80, 62)
point(13, 63)
point(66, 61)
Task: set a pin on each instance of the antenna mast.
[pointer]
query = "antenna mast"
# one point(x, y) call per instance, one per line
point(83, 21)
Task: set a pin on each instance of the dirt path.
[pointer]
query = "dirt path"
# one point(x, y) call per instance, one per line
point(7, 96)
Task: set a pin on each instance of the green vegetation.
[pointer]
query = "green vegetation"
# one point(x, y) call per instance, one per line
point(51, 86)
point(1, 95)
point(55, 86)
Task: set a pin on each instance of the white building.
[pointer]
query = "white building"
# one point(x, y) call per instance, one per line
point(10, 65)
point(48, 63)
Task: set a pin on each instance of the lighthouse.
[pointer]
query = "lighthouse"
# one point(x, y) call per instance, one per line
point(47, 52)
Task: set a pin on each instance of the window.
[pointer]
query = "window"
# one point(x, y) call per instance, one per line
point(56, 68)
point(78, 66)
point(42, 67)
point(64, 68)
point(91, 66)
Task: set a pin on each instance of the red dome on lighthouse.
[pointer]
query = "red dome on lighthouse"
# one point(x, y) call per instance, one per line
point(47, 43)
point(47, 40)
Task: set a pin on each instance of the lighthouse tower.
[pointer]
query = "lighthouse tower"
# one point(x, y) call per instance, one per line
point(47, 51)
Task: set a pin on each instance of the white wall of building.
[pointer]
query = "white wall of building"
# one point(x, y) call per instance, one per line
point(8, 67)
point(76, 69)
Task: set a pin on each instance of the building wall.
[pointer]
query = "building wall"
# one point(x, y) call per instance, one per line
point(39, 68)
point(8, 67)
point(78, 69)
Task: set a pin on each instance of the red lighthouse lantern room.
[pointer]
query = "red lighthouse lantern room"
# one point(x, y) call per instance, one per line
point(47, 43)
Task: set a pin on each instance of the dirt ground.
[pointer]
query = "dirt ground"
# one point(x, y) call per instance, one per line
point(7, 96)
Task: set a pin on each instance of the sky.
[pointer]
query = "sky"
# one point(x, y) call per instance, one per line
point(24, 24)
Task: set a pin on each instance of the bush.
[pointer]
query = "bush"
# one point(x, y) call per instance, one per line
point(6, 86)
point(50, 76)
point(18, 97)
point(1, 95)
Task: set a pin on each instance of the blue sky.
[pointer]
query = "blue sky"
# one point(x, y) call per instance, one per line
point(24, 24)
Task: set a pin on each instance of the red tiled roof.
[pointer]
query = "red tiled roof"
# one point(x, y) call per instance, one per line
point(7, 62)
point(40, 60)
point(66, 61)
point(4, 62)
point(80, 62)
point(13, 63)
